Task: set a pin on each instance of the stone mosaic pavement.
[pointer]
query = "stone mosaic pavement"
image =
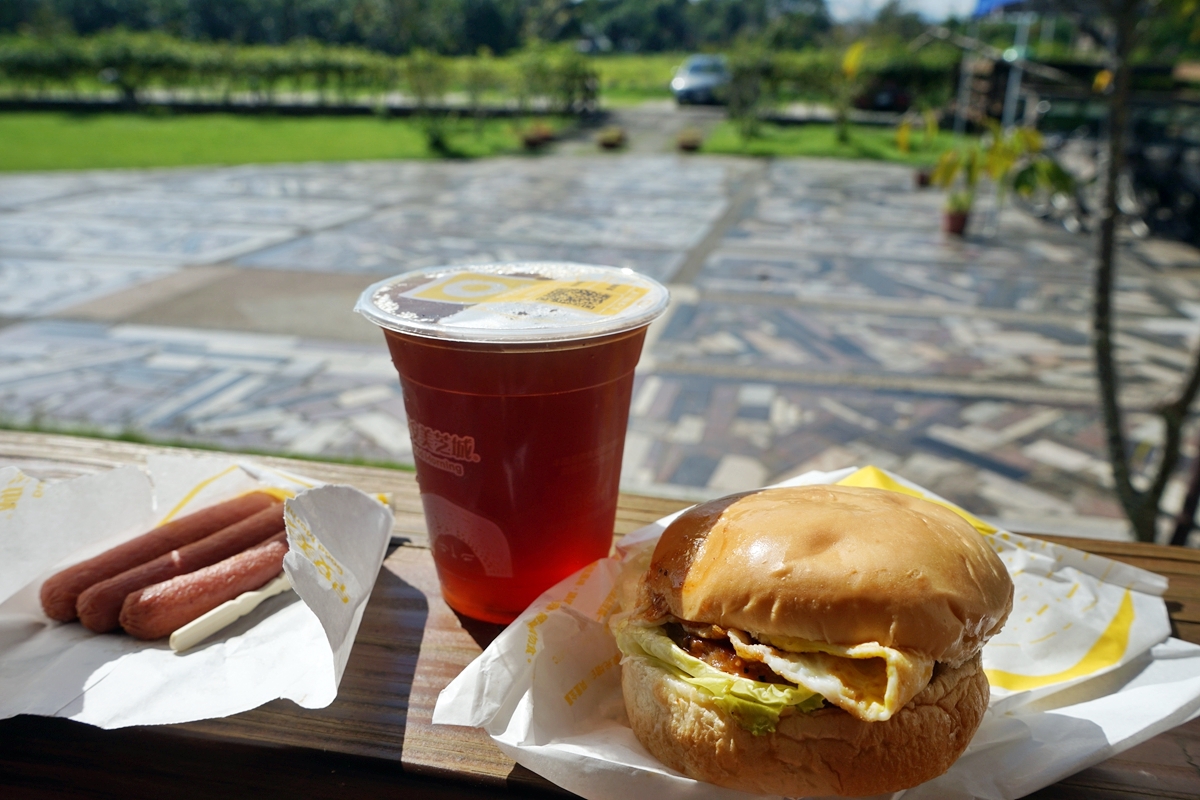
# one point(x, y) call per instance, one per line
point(819, 317)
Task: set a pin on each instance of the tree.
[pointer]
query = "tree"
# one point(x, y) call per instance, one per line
point(895, 21)
point(751, 71)
point(427, 77)
point(1120, 22)
point(492, 24)
point(801, 24)
point(846, 86)
point(479, 78)
point(445, 26)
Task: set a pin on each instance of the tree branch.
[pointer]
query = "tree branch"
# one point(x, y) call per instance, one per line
point(1185, 520)
point(1140, 506)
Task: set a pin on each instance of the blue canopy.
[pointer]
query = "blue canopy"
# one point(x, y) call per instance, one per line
point(985, 7)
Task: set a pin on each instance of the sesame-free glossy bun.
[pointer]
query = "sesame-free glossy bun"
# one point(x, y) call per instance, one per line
point(836, 564)
point(819, 753)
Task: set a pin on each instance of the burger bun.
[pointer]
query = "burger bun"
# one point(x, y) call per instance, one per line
point(824, 752)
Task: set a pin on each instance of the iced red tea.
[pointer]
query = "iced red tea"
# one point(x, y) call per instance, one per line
point(517, 445)
point(518, 458)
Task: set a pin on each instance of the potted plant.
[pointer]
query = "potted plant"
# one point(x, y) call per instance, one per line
point(611, 137)
point(689, 140)
point(958, 211)
point(957, 171)
point(923, 177)
point(1028, 172)
point(1013, 160)
point(537, 136)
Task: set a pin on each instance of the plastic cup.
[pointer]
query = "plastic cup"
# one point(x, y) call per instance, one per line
point(516, 382)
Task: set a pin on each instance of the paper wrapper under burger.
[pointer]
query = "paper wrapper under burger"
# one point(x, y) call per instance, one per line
point(1084, 669)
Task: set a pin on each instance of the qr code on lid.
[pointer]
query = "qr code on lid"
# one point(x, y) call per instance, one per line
point(579, 298)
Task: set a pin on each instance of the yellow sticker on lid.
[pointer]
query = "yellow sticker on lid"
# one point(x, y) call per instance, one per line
point(473, 288)
point(469, 288)
point(598, 297)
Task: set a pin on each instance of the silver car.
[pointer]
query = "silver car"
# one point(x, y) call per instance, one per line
point(701, 79)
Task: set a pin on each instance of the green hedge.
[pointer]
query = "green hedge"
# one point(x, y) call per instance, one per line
point(928, 74)
point(551, 75)
point(134, 62)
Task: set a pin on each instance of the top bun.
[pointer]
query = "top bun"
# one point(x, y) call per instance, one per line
point(836, 564)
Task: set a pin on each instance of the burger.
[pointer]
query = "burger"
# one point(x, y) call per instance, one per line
point(811, 640)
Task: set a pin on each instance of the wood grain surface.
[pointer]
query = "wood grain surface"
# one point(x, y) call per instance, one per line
point(377, 736)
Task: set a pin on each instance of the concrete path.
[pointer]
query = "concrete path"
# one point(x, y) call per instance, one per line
point(651, 127)
point(820, 318)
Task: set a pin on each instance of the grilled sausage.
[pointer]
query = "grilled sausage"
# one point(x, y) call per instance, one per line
point(61, 591)
point(160, 609)
point(99, 607)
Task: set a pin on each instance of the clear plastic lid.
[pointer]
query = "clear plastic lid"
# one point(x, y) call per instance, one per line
point(537, 301)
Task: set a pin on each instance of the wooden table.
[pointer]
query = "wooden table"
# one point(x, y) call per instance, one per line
point(377, 737)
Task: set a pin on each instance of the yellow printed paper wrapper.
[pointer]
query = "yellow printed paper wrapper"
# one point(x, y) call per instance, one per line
point(293, 646)
point(1084, 669)
point(1075, 615)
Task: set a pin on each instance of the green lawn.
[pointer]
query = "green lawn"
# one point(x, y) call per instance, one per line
point(618, 98)
point(820, 140)
point(644, 76)
point(43, 141)
point(40, 140)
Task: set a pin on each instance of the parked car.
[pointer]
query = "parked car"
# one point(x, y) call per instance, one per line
point(701, 79)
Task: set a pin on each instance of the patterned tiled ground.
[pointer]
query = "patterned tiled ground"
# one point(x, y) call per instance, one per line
point(1028, 464)
point(1031, 354)
point(32, 287)
point(819, 319)
point(645, 213)
point(242, 390)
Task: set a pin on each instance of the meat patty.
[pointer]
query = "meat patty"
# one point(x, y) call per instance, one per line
point(718, 652)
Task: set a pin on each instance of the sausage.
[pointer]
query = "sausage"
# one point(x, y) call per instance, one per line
point(159, 610)
point(99, 607)
point(61, 590)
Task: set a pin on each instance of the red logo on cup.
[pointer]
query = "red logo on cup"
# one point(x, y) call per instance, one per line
point(440, 449)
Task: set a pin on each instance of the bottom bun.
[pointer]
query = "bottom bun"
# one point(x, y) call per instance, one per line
point(824, 752)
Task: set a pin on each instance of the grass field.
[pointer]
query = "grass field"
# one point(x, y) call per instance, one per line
point(626, 77)
point(48, 141)
point(820, 140)
point(43, 141)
